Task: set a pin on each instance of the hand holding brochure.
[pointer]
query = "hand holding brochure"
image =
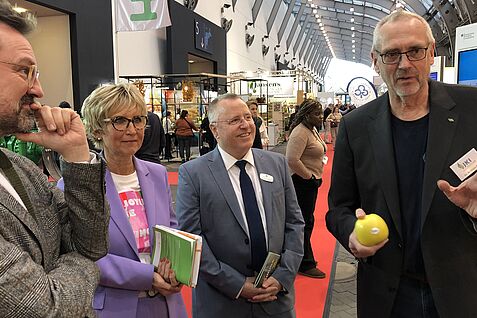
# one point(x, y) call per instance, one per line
point(268, 267)
point(182, 249)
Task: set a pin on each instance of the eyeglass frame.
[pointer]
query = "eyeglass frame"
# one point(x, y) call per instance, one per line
point(230, 121)
point(33, 72)
point(111, 120)
point(401, 54)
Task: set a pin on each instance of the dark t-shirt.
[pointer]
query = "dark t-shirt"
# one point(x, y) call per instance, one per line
point(410, 141)
point(257, 142)
point(154, 139)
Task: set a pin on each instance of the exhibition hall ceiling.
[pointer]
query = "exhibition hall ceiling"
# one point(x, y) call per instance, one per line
point(344, 28)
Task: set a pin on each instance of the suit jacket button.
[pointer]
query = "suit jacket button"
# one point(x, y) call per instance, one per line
point(247, 241)
point(399, 245)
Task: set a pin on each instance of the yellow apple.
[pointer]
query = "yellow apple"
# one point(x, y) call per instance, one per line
point(371, 230)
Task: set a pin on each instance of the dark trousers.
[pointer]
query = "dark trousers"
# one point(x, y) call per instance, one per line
point(168, 148)
point(184, 145)
point(414, 299)
point(306, 193)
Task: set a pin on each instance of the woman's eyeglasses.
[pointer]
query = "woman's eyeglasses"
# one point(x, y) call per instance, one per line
point(121, 123)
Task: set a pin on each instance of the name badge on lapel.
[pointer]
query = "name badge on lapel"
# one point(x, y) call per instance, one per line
point(266, 177)
point(466, 165)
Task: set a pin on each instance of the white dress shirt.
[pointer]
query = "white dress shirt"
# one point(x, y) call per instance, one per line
point(234, 176)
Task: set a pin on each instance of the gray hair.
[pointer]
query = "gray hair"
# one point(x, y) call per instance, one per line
point(107, 101)
point(22, 22)
point(214, 110)
point(397, 15)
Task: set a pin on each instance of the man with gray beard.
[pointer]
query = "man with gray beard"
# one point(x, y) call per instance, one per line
point(48, 240)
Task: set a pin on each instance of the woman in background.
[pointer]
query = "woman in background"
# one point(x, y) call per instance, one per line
point(184, 134)
point(306, 156)
point(139, 196)
point(334, 119)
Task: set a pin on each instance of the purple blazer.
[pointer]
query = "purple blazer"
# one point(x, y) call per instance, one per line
point(123, 276)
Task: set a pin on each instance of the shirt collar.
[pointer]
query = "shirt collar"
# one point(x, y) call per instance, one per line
point(229, 160)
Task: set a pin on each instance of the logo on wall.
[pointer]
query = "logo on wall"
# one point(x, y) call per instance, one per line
point(140, 15)
point(361, 91)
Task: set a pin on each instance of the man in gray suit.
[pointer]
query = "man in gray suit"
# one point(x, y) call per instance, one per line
point(243, 204)
point(48, 241)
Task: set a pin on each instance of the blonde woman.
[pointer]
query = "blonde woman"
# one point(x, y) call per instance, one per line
point(138, 193)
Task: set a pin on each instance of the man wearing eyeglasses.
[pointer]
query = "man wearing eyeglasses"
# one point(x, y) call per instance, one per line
point(48, 241)
point(243, 204)
point(391, 158)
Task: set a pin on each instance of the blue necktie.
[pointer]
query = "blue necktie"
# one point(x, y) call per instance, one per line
point(254, 221)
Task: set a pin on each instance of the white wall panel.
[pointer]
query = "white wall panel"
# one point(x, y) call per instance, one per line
point(51, 43)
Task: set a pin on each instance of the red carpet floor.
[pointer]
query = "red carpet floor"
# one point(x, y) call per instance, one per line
point(310, 293)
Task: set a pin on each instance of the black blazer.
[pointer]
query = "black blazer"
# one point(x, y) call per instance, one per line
point(364, 175)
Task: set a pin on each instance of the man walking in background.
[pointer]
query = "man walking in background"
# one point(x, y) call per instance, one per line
point(154, 140)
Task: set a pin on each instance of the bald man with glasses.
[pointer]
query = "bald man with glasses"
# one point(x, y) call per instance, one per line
point(391, 158)
point(48, 240)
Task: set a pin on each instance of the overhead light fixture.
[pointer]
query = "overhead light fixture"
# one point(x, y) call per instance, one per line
point(320, 24)
point(353, 46)
point(19, 9)
point(225, 6)
point(190, 4)
point(265, 49)
point(249, 39)
point(352, 35)
point(191, 61)
point(354, 57)
point(352, 19)
point(318, 20)
point(226, 24)
point(315, 11)
point(351, 9)
point(353, 50)
point(352, 28)
point(353, 41)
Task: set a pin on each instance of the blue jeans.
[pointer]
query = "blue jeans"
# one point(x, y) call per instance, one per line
point(414, 299)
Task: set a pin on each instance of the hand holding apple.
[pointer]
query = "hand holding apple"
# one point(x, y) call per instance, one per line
point(362, 234)
point(371, 230)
